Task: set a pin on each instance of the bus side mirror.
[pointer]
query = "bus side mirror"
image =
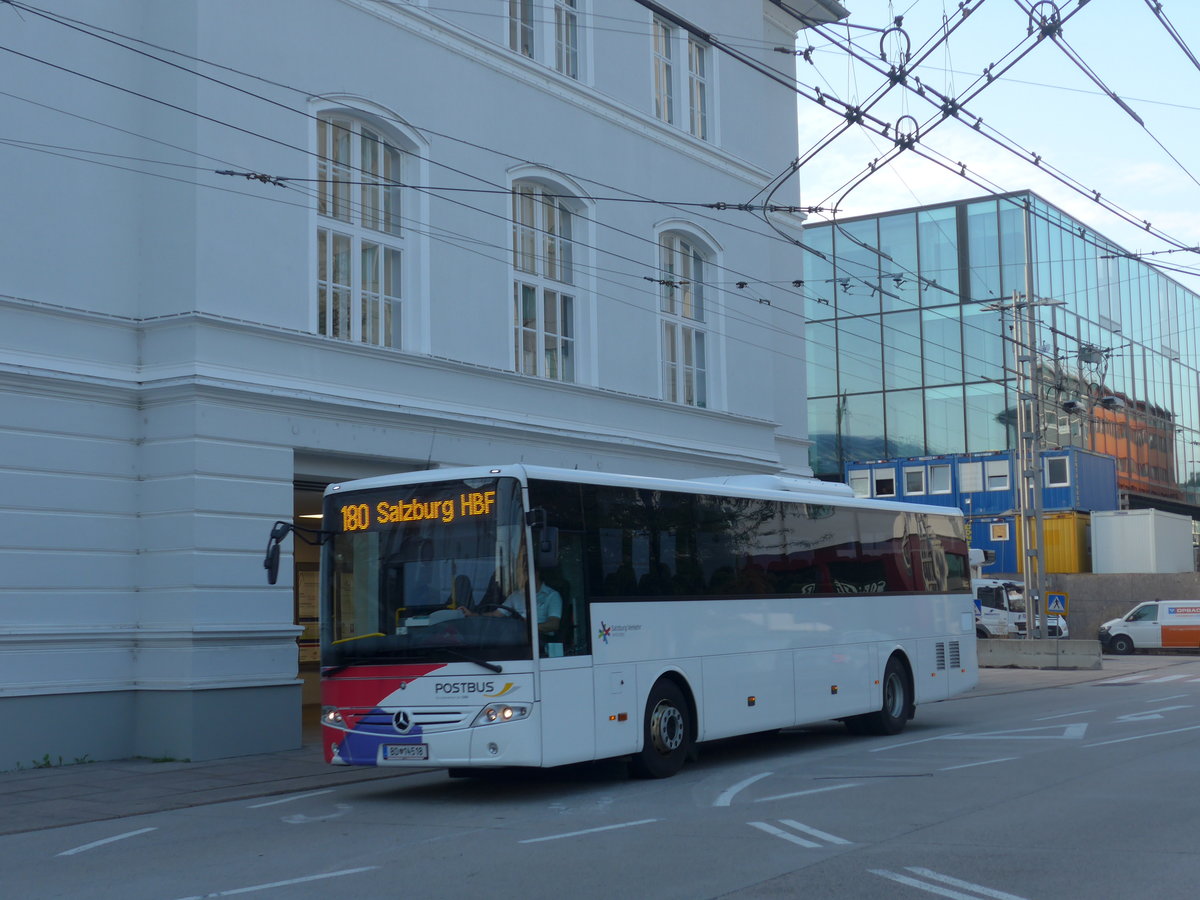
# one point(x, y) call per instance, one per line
point(545, 547)
point(271, 563)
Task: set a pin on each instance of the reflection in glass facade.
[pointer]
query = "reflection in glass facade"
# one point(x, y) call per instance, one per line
point(908, 353)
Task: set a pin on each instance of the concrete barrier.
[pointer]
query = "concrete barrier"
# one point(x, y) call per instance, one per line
point(1047, 653)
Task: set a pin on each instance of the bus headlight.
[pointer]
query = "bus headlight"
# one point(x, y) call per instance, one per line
point(332, 716)
point(501, 712)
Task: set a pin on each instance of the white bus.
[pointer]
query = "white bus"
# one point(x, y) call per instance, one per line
point(671, 612)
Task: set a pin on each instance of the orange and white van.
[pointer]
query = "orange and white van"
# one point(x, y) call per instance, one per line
point(1156, 624)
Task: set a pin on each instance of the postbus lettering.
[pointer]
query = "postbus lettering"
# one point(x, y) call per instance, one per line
point(464, 687)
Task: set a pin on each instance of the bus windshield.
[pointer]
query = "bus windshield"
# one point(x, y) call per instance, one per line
point(421, 573)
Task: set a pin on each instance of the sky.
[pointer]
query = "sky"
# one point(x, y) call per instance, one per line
point(1044, 104)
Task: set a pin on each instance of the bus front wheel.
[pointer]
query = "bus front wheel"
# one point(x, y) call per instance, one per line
point(896, 709)
point(666, 732)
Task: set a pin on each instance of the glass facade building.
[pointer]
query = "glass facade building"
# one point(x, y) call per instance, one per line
point(910, 346)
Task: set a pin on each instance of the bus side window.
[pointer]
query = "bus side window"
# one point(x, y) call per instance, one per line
point(567, 579)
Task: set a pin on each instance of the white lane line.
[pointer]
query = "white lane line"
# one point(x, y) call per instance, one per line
point(1064, 715)
point(922, 741)
point(102, 842)
point(945, 879)
point(814, 832)
point(728, 794)
point(557, 837)
point(986, 762)
point(836, 787)
point(1165, 678)
point(1142, 736)
point(290, 799)
point(1165, 699)
point(786, 835)
point(275, 884)
point(921, 885)
point(965, 885)
point(1122, 679)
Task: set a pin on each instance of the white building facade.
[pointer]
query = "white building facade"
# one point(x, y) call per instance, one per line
point(253, 248)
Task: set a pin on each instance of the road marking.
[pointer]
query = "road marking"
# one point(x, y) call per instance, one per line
point(817, 833)
point(556, 837)
point(1139, 737)
point(1064, 715)
point(290, 799)
point(728, 794)
point(275, 884)
point(1165, 678)
point(1072, 732)
point(986, 762)
point(1123, 679)
point(786, 835)
point(103, 841)
point(836, 787)
point(910, 743)
point(1165, 699)
point(301, 819)
point(1149, 714)
point(979, 890)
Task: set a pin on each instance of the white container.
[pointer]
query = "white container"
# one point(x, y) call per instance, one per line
point(1141, 540)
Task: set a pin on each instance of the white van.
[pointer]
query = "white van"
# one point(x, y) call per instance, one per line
point(1154, 625)
point(1000, 610)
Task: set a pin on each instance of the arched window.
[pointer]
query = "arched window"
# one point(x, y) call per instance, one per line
point(360, 241)
point(544, 290)
point(683, 263)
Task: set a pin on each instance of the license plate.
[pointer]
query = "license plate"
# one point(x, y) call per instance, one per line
point(406, 751)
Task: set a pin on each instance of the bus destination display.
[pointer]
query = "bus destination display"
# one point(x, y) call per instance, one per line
point(443, 510)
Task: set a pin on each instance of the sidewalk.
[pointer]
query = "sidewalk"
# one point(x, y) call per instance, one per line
point(34, 799)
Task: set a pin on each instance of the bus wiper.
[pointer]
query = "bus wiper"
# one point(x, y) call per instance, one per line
point(490, 666)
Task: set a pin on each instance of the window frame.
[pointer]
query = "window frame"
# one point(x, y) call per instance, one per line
point(699, 95)
point(545, 316)
point(889, 475)
point(993, 478)
point(920, 490)
point(360, 208)
point(684, 326)
point(1050, 482)
point(663, 66)
point(551, 33)
point(566, 22)
point(940, 468)
point(522, 29)
point(683, 83)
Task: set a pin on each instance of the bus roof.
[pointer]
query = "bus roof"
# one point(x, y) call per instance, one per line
point(763, 487)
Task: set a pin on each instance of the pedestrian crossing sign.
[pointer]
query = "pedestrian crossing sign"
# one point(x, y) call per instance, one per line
point(1056, 603)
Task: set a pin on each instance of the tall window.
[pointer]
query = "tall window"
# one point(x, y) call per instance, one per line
point(566, 37)
point(359, 238)
point(664, 71)
point(698, 87)
point(520, 27)
point(681, 305)
point(543, 292)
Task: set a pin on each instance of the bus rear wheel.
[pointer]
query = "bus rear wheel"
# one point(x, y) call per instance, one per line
point(666, 732)
point(896, 709)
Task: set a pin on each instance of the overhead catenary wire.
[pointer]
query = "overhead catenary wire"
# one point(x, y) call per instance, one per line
point(505, 191)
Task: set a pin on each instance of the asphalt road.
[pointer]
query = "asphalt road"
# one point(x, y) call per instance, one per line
point(1083, 790)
